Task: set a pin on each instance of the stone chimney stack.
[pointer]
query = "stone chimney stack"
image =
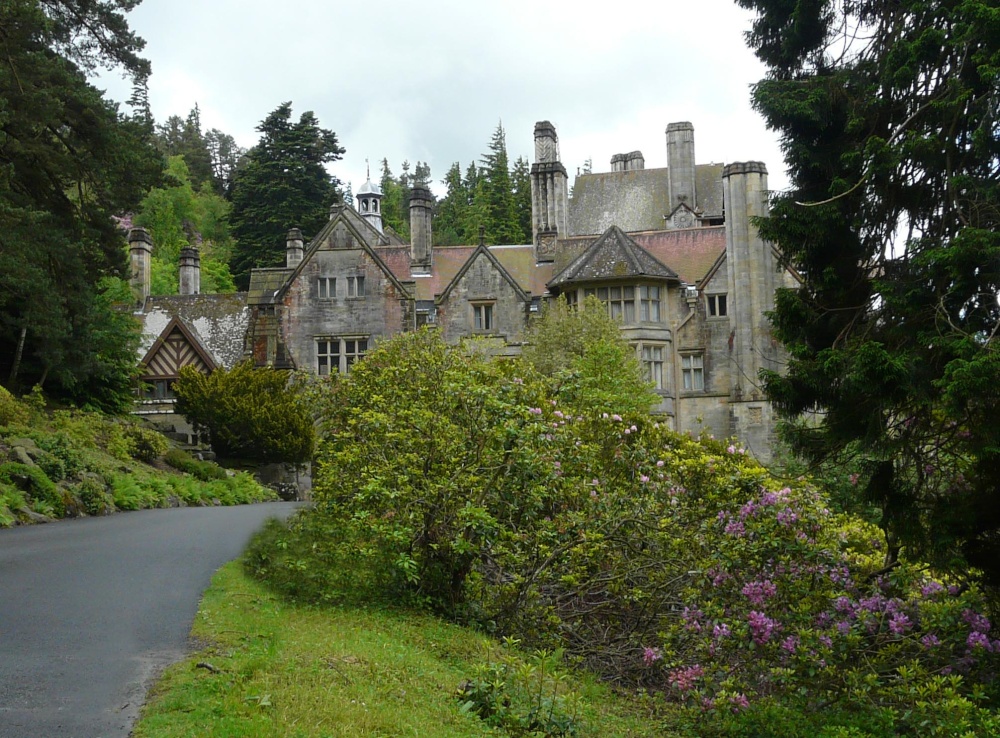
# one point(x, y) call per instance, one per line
point(680, 163)
point(752, 275)
point(294, 248)
point(630, 162)
point(140, 250)
point(421, 212)
point(549, 193)
point(190, 276)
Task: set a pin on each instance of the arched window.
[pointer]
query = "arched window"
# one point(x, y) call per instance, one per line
point(364, 205)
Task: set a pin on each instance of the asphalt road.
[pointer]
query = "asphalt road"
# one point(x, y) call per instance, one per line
point(91, 610)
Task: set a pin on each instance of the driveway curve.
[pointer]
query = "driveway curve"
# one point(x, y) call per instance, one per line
point(91, 610)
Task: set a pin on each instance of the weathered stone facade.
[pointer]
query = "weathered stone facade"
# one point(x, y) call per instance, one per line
point(672, 252)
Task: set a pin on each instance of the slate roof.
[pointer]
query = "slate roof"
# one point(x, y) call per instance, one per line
point(690, 252)
point(636, 200)
point(265, 284)
point(613, 256)
point(218, 321)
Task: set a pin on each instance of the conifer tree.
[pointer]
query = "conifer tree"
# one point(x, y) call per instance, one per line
point(889, 122)
point(496, 192)
point(71, 163)
point(283, 184)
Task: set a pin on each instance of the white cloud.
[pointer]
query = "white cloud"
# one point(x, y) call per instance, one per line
point(429, 81)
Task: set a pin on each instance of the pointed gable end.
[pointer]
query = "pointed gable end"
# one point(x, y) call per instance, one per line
point(613, 256)
point(342, 233)
point(483, 252)
point(177, 347)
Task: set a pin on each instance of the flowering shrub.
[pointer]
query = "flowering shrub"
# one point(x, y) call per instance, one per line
point(658, 560)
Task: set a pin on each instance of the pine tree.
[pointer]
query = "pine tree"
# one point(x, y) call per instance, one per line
point(496, 192)
point(451, 209)
point(890, 137)
point(71, 163)
point(283, 184)
point(521, 183)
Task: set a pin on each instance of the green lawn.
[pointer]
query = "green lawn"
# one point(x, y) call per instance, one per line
point(269, 668)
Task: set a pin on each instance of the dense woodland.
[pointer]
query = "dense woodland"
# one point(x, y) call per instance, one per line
point(855, 605)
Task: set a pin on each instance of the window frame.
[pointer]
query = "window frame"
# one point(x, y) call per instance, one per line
point(717, 305)
point(693, 372)
point(647, 301)
point(356, 286)
point(326, 288)
point(619, 300)
point(484, 316)
point(653, 366)
point(342, 352)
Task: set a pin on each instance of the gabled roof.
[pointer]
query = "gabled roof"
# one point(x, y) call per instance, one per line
point(263, 280)
point(613, 256)
point(218, 321)
point(482, 250)
point(195, 349)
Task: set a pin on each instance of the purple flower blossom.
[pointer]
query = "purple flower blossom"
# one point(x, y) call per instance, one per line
point(786, 517)
point(843, 627)
point(739, 702)
point(761, 627)
point(899, 623)
point(634, 429)
point(643, 478)
point(978, 623)
point(617, 418)
point(720, 631)
point(659, 463)
point(650, 655)
point(735, 528)
point(790, 644)
point(759, 592)
point(930, 640)
point(978, 640)
point(731, 449)
point(684, 679)
point(931, 588)
point(826, 641)
point(535, 410)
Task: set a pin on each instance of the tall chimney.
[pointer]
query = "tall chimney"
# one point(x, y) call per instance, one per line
point(421, 211)
point(294, 248)
point(549, 193)
point(190, 276)
point(680, 163)
point(140, 251)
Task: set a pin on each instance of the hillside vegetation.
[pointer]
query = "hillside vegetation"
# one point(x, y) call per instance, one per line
point(67, 463)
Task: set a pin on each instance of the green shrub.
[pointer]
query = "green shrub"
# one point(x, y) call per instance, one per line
point(12, 412)
point(94, 496)
point(146, 444)
point(43, 495)
point(251, 413)
point(206, 471)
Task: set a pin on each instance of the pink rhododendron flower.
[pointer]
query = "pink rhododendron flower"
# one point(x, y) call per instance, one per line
point(650, 655)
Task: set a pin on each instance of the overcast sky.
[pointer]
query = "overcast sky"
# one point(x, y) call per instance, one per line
point(430, 80)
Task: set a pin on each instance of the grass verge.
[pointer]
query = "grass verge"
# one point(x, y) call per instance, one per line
point(272, 668)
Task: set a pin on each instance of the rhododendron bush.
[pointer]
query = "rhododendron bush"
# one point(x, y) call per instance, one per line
point(665, 562)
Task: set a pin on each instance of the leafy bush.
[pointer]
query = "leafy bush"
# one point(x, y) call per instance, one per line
point(43, 495)
point(146, 444)
point(679, 565)
point(12, 412)
point(206, 471)
point(252, 413)
point(94, 497)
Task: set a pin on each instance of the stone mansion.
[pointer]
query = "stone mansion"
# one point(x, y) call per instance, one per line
point(671, 251)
